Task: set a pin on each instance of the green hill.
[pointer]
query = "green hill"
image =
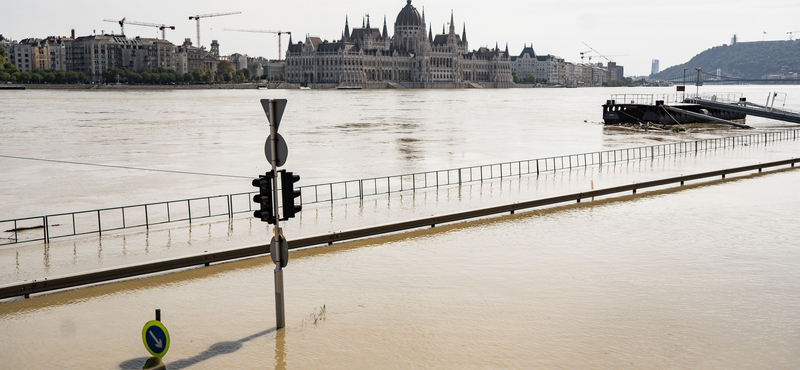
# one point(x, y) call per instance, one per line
point(742, 60)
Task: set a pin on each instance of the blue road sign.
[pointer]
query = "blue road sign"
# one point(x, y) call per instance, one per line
point(156, 338)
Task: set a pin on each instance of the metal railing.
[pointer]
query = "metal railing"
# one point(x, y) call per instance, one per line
point(331, 192)
point(676, 97)
point(54, 283)
point(46, 228)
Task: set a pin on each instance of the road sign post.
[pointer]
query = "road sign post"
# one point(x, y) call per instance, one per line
point(155, 337)
point(274, 109)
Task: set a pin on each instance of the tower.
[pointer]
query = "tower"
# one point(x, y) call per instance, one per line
point(409, 29)
point(214, 48)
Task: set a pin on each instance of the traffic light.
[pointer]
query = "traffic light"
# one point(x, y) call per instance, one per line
point(288, 193)
point(264, 197)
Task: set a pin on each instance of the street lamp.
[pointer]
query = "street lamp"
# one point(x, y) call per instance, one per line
point(684, 83)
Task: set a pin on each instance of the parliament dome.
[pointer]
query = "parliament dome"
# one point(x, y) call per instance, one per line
point(409, 16)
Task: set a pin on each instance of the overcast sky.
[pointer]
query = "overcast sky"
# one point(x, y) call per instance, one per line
point(671, 31)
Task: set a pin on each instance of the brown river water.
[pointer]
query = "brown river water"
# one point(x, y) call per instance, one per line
point(704, 276)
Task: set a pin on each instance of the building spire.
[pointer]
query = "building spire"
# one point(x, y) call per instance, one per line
point(346, 27)
point(430, 33)
point(464, 34)
point(452, 25)
point(506, 48)
point(368, 20)
point(385, 31)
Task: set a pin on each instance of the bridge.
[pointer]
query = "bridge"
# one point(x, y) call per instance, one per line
point(711, 78)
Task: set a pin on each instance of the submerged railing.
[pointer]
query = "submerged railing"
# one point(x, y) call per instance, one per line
point(46, 228)
point(26, 288)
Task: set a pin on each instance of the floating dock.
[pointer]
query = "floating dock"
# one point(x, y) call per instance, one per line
point(727, 108)
point(639, 108)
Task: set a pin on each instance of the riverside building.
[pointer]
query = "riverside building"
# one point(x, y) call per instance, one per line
point(367, 57)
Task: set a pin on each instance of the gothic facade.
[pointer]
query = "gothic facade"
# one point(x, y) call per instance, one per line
point(409, 58)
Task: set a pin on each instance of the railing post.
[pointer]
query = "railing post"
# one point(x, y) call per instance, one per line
point(189, 206)
point(46, 229)
point(99, 225)
point(146, 218)
point(360, 189)
point(230, 206)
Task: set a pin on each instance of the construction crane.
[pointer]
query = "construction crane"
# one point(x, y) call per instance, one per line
point(162, 27)
point(197, 18)
point(598, 53)
point(586, 52)
point(121, 25)
point(279, 33)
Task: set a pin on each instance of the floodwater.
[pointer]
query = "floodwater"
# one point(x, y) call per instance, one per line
point(701, 276)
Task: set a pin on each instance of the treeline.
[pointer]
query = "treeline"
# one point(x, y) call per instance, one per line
point(749, 60)
point(625, 81)
point(162, 76)
point(157, 76)
point(529, 79)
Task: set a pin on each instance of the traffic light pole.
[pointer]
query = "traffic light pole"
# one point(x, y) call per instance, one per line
point(280, 314)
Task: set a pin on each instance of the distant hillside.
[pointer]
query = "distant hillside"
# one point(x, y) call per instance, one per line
point(743, 60)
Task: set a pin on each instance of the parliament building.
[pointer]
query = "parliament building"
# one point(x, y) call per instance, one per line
point(413, 57)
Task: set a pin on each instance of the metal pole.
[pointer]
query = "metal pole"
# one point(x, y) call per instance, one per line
point(280, 315)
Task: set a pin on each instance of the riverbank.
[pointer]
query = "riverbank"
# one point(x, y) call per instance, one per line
point(243, 86)
point(228, 86)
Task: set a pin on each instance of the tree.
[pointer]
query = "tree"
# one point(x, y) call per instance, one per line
point(24, 77)
point(530, 79)
point(245, 72)
point(224, 67)
point(208, 76)
point(61, 77)
point(82, 77)
point(197, 74)
point(515, 76)
point(49, 77)
point(72, 77)
point(4, 76)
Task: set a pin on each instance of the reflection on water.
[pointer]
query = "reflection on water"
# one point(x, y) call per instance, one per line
point(636, 281)
point(702, 276)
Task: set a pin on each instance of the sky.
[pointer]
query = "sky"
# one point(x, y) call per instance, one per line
point(629, 32)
